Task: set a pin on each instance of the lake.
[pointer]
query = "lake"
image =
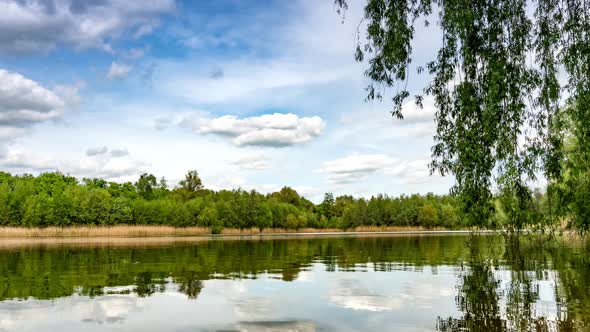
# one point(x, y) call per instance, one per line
point(308, 283)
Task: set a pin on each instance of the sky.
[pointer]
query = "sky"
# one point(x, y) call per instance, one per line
point(252, 94)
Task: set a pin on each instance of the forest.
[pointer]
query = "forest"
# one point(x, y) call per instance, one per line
point(56, 199)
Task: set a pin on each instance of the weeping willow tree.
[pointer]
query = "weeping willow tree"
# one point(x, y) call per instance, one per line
point(502, 74)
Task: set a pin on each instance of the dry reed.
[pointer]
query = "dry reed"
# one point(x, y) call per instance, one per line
point(156, 231)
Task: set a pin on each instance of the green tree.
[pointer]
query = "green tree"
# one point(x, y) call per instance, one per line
point(264, 219)
point(121, 211)
point(208, 216)
point(145, 185)
point(192, 182)
point(427, 216)
point(327, 205)
point(288, 195)
point(489, 96)
point(36, 210)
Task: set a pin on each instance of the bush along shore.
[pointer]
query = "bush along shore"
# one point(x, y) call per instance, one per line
point(52, 202)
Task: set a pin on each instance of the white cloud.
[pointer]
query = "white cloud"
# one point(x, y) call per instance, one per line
point(26, 163)
point(274, 130)
point(118, 71)
point(104, 151)
point(97, 151)
point(380, 126)
point(105, 168)
point(352, 296)
point(412, 171)
point(256, 162)
point(38, 26)
point(144, 30)
point(118, 153)
point(356, 167)
point(24, 103)
point(98, 163)
point(414, 114)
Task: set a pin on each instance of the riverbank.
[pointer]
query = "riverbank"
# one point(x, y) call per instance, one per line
point(128, 231)
point(11, 243)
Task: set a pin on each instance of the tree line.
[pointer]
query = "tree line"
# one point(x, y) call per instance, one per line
point(56, 199)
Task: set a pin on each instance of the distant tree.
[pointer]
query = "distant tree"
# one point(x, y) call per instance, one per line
point(121, 211)
point(327, 205)
point(163, 184)
point(427, 216)
point(292, 221)
point(53, 183)
point(448, 216)
point(36, 210)
point(53, 199)
point(208, 216)
point(95, 183)
point(145, 185)
point(192, 182)
point(341, 203)
point(287, 195)
point(264, 219)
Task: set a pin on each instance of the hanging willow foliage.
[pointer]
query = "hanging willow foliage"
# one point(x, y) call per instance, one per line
point(496, 89)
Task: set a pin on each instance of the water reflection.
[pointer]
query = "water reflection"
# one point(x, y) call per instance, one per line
point(525, 288)
point(444, 283)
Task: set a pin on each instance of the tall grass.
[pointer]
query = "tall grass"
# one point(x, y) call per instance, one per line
point(155, 231)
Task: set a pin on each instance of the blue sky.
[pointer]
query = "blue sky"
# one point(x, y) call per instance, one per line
point(252, 94)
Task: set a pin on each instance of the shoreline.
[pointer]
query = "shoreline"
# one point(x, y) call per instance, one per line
point(145, 231)
point(7, 243)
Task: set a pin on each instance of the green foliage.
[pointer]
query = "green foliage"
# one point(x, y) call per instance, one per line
point(427, 216)
point(497, 112)
point(52, 199)
point(264, 220)
point(145, 185)
point(327, 206)
point(192, 182)
point(208, 217)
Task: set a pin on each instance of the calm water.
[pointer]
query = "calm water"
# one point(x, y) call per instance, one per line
point(427, 283)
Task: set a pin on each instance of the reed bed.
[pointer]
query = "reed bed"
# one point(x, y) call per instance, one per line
point(157, 231)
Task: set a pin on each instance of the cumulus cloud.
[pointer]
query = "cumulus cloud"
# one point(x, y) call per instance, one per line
point(256, 162)
point(356, 167)
point(24, 103)
point(39, 26)
point(118, 71)
point(97, 151)
point(272, 130)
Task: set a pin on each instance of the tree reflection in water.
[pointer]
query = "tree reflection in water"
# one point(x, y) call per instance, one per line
point(503, 284)
point(501, 292)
